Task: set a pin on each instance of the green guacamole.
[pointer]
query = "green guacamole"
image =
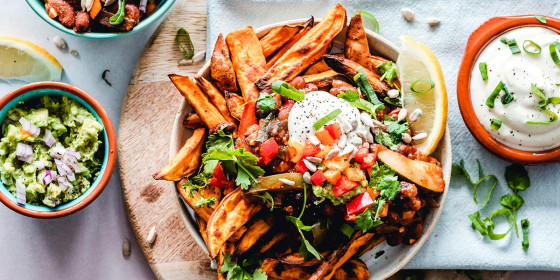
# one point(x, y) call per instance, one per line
point(73, 127)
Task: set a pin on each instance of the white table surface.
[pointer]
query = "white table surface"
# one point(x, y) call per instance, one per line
point(88, 244)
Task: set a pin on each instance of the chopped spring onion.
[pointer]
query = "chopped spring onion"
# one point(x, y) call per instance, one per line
point(477, 223)
point(507, 97)
point(370, 22)
point(324, 120)
point(542, 19)
point(285, 89)
point(365, 86)
point(542, 104)
point(495, 124)
point(185, 43)
point(118, 17)
point(483, 67)
point(552, 48)
point(554, 100)
point(513, 47)
point(525, 229)
point(553, 118)
point(104, 77)
point(537, 91)
point(531, 43)
point(421, 86)
point(494, 94)
point(490, 224)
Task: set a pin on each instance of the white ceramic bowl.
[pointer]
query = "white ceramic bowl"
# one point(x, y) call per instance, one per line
point(394, 258)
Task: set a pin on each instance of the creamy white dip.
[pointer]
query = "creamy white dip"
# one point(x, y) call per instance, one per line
point(518, 71)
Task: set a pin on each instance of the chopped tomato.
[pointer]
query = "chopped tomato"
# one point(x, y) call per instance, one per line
point(369, 160)
point(332, 176)
point(24, 133)
point(284, 111)
point(361, 154)
point(248, 118)
point(350, 217)
point(295, 150)
point(325, 137)
point(318, 178)
point(343, 186)
point(300, 167)
point(310, 150)
point(220, 179)
point(355, 174)
point(334, 130)
point(337, 163)
point(269, 150)
point(358, 204)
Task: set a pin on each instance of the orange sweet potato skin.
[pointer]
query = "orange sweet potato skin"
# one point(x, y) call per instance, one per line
point(277, 37)
point(356, 46)
point(310, 48)
point(305, 28)
point(248, 60)
point(221, 68)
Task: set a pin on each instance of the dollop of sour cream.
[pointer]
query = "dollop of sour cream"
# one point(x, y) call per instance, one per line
point(312, 108)
point(518, 71)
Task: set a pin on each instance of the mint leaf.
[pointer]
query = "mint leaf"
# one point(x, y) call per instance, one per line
point(517, 178)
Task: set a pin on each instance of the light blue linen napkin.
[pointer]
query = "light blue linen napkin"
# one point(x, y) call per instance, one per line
point(453, 244)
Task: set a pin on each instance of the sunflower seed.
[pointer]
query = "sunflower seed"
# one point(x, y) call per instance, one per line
point(74, 52)
point(126, 247)
point(314, 140)
point(199, 57)
point(433, 21)
point(415, 115)
point(375, 130)
point(420, 136)
point(377, 123)
point(408, 14)
point(355, 141)
point(402, 114)
point(354, 123)
point(406, 138)
point(348, 149)
point(310, 165)
point(345, 126)
point(361, 134)
point(287, 182)
point(333, 153)
point(314, 159)
point(59, 42)
point(366, 119)
point(393, 93)
point(342, 141)
point(307, 177)
point(184, 62)
point(152, 235)
point(369, 137)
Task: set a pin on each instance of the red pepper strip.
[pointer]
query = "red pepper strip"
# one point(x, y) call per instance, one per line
point(269, 150)
point(318, 178)
point(344, 185)
point(248, 118)
point(220, 179)
point(358, 204)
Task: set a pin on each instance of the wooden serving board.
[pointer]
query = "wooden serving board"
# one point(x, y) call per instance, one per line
point(145, 129)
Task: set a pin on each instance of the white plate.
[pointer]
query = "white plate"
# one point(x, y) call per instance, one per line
point(394, 258)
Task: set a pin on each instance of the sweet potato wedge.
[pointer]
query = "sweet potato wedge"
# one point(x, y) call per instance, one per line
point(215, 96)
point(307, 50)
point(278, 270)
point(377, 60)
point(254, 233)
point(352, 270)
point(221, 68)
point(305, 28)
point(238, 234)
point(356, 46)
point(248, 60)
point(230, 215)
point(323, 79)
point(193, 121)
point(209, 114)
point(338, 257)
point(349, 69)
point(235, 103)
point(277, 37)
point(208, 192)
point(297, 259)
point(376, 240)
point(273, 241)
point(427, 175)
point(186, 161)
point(202, 228)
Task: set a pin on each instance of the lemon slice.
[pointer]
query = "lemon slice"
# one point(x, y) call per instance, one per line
point(25, 61)
point(417, 62)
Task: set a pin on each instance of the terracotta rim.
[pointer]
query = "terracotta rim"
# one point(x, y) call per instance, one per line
point(111, 157)
point(478, 40)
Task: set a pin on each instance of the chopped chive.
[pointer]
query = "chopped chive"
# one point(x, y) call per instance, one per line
point(531, 43)
point(554, 100)
point(553, 118)
point(494, 94)
point(552, 48)
point(363, 83)
point(287, 90)
point(495, 124)
point(185, 43)
point(483, 67)
point(507, 97)
point(324, 120)
point(537, 91)
point(423, 86)
point(512, 44)
point(525, 229)
point(542, 19)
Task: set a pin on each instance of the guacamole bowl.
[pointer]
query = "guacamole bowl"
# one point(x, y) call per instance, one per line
point(105, 154)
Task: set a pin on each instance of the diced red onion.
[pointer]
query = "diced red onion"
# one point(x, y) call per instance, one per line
point(49, 138)
point(20, 193)
point(39, 164)
point(63, 183)
point(29, 127)
point(62, 168)
point(71, 177)
point(73, 153)
point(58, 151)
point(142, 6)
point(24, 152)
point(46, 177)
point(76, 167)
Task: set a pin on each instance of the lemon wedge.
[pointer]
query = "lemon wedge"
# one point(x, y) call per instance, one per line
point(418, 66)
point(25, 61)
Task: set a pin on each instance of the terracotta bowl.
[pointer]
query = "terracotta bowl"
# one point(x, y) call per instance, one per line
point(478, 40)
point(39, 89)
point(394, 258)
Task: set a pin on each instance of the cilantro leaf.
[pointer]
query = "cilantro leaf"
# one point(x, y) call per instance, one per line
point(366, 220)
point(385, 181)
point(236, 272)
point(228, 264)
point(258, 274)
point(266, 102)
point(205, 202)
point(517, 178)
point(388, 71)
point(347, 230)
point(306, 249)
point(267, 198)
point(386, 140)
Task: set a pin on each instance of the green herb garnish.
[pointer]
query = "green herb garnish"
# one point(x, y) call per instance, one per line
point(266, 102)
point(553, 54)
point(185, 43)
point(205, 202)
point(285, 89)
point(347, 230)
point(494, 94)
point(268, 199)
point(495, 124)
point(542, 19)
point(525, 229)
point(104, 77)
point(324, 120)
point(533, 44)
point(306, 249)
point(512, 44)
point(365, 86)
point(118, 17)
point(388, 71)
point(354, 99)
point(460, 170)
point(512, 202)
point(542, 104)
point(422, 86)
point(236, 272)
point(483, 67)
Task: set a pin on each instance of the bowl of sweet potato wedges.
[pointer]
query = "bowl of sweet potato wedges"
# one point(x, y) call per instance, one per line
point(342, 204)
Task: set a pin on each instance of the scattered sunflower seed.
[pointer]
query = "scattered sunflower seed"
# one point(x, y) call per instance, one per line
point(287, 182)
point(74, 52)
point(199, 57)
point(393, 93)
point(314, 159)
point(406, 138)
point(408, 14)
point(342, 141)
point(126, 247)
point(309, 166)
point(59, 42)
point(185, 62)
point(333, 153)
point(433, 21)
point(152, 235)
point(420, 136)
point(307, 177)
point(402, 115)
point(415, 115)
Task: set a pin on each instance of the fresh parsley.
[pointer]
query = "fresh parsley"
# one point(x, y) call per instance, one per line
point(306, 249)
point(266, 102)
point(236, 272)
point(388, 71)
point(267, 198)
point(205, 202)
point(238, 162)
